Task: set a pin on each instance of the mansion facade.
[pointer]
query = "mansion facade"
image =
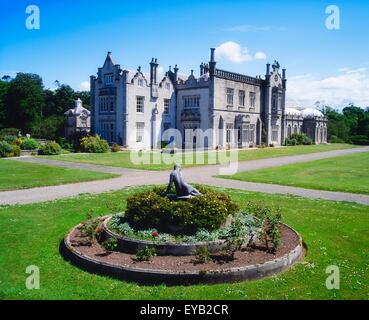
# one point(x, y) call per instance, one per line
point(134, 109)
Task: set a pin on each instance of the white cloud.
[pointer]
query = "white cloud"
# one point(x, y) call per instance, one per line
point(254, 28)
point(260, 55)
point(84, 86)
point(347, 86)
point(248, 28)
point(233, 52)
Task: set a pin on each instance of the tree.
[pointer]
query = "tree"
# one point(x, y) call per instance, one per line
point(24, 101)
point(6, 78)
point(4, 87)
point(353, 115)
point(50, 128)
point(85, 97)
point(337, 126)
point(64, 98)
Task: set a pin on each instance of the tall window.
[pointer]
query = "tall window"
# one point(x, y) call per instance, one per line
point(109, 79)
point(248, 133)
point(140, 82)
point(241, 98)
point(252, 99)
point(111, 103)
point(167, 86)
point(230, 97)
point(229, 129)
point(107, 103)
point(107, 131)
point(139, 104)
point(275, 130)
point(275, 102)
point(140, 126)
point(289, 131)
point(191, 101)
point(166, 106)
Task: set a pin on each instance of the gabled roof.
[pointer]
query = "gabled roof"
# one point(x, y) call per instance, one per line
point(109, 59)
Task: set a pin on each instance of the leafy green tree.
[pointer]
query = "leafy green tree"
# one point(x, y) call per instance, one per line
point(337, 125)
point(353, 115)
point(85, 97)
point(4, 87)
point(6, 78)
point(50, 128)
point(24, 101)
point(64, 98)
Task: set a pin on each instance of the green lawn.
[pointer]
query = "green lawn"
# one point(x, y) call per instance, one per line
point(347, 173)
point(19, 175)
point(122, 159)
point(336, 233)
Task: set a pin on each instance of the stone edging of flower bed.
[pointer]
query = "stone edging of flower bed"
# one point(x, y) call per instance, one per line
point(168, 277)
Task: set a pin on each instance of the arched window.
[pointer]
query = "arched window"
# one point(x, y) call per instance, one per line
point(289, 131)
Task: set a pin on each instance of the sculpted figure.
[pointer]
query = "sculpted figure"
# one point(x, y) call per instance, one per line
point(183, 189)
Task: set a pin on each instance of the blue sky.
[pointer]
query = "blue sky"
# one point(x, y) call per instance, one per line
point(322, 64)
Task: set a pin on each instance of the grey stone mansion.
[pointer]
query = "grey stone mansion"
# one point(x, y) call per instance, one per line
point(134, 109)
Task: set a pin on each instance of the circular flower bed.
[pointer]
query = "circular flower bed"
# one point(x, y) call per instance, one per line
point(176, 237)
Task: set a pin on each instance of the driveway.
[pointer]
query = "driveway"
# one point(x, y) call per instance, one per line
point(201, 174)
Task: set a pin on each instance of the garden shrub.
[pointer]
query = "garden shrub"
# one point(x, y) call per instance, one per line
point(115, 147)
point(270, 220)
point(298, 139)
point(8, 132)
point(50, 148)
point(335, 139)
point(65, 144)
point(6, 149)
point(202, 255)
point(29, 144)
point(94, 144)
point(10, 139)
point(16, 152)
point(359, 140)
point(110, 245)
point(152, 209)
point(145, 254)
point(90, 228)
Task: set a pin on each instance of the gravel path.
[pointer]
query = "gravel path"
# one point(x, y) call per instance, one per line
point(204, 174)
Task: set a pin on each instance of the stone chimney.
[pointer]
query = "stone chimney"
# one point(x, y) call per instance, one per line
point(176, 73)
point(201, 69)
point(212, 62)
point(154, 71)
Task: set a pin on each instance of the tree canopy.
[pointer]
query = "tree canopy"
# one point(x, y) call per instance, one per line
point(27, 106)
point(350, 125)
